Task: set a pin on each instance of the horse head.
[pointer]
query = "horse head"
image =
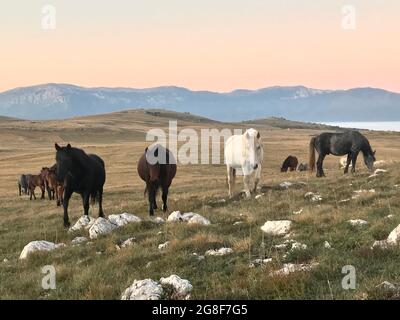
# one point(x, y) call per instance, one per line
point(369, 160)
point(253, 148)
point(64, 161)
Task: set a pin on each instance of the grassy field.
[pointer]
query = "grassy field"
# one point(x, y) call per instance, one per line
point(99, 271)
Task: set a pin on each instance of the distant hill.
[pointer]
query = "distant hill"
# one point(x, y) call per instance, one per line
point(58, 101)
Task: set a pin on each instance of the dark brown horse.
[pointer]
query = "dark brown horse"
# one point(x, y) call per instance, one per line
point(289, 163)
point(53, 187)
point(36, 181)
point(157, 167)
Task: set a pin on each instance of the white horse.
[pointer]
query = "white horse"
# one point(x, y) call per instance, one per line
point(244, 152)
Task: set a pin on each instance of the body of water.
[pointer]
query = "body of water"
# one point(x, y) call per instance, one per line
point(380, 126)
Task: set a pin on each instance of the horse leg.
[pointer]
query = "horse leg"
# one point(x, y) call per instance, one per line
point(67, 196)
point(346, 169)
point(257, 178)
point(85, 202)
point(152, 194)
point(231, 180)
point(164, 198)
point(354, 160)
point(246, 181)
point(101, 214)
point(320, 170)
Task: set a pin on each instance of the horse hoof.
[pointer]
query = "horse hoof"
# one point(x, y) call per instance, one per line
point(164, 208)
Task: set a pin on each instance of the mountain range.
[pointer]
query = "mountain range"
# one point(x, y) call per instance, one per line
point(58, 101)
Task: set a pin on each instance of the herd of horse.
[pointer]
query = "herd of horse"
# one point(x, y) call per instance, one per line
point(85, 174)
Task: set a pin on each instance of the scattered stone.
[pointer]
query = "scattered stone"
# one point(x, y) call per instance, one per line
point(237, 223)
point(175, 216)
point(79, 240)
point(198, 219)
point(160, 233)
point(285, 184)
point(101, 227)
point(123, 219)
point(163, 245)
point(159, 220)
point(260, 262)
point(297, 212)
point(182, 287)
point(219, 252)
point(290, 267)
point(379, 163)
point(84, 222)
point(313, 197)
point(386, 285)
point(277, 228)
point(146, 289)
point(298, 246)
point(357, 222)
point(148, 265)
point(40, 245)
point(280, 246)
point(344, 200)
point(258, 196)
point(5, 260)
point(382, 244)
point(127, 242)
point(327, 245)
point(390, 216)
point(377, 173)
point(394, 236)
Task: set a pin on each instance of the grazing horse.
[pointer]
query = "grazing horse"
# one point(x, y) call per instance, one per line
point(290, 162)
point(244, 152)
point(36, 181)
point(339, 144)
point(23, 184)
point(157, 167)
point(81, 173)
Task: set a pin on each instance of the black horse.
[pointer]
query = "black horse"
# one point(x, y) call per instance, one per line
point(340, 144)
point(23, 183)
point(81, 173)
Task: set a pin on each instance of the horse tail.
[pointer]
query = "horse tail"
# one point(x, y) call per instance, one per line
point(312, 154)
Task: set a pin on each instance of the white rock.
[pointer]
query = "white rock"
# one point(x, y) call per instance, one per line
point(182, 287)
point(280, 246)
point(258, 196)
point(219, 252)
point(123, 219)
point(175, 216)
point(382, 244)
point(290, 267)
point(327, 245)
point(394, 236)
point(297, 212)
point(379, 163)
point(377, 173)
point(197, 256)
point(5, 260)
point(357, 222)
point(298, 246)
point(128, 242)
point(84, 222)
point(187, 216)
point(313, 197)
point(389, 216)
point(277, 228)
point(163, 245)
point(198, 219)
point(40, 245)
point(344, 200)
point(237, 223)
point(260, 262)
point(101, 227)
point(146, 289)
point(79, 240)
point(148, 264)
point(285, 184)
point(386, 285)
point(159, 220)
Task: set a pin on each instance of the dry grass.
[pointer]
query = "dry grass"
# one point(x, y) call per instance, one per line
point(84, 273)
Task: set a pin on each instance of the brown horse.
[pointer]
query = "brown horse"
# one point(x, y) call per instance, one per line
point(36, 181)
point(157, 167)
point(53, 187)
point(290, 162)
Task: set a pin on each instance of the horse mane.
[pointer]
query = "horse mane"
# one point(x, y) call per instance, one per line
point(366, 148)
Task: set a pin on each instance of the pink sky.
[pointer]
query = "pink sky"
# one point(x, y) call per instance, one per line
point(219, 47)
